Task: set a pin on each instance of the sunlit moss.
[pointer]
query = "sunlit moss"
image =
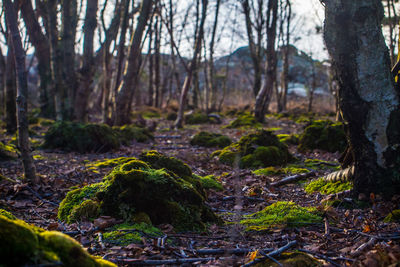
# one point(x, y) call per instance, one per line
point(207, 139)
point(278, 171)
point(125, 234)
point(211, 182)
point(245, 120)
point(327, 187)
point(281, 214)
point(394, 216)
point(291, 259)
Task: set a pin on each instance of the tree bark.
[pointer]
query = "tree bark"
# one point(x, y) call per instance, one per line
point(192, 66)
point(11, 88)
point(87, 69)
point(22, 105)
point(129, 82)
point(368, 97)
point(264, 95)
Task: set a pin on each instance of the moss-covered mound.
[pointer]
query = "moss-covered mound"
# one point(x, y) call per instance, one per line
point(129, 133)
point(327, 187)
point(246, 120)
point(289, 139)
point(291, 259)
point(125, 234)
point(325, 135)
point(207, 139)
point(270, 171)
point(211, 182)
point(164, 188)
point(72, 136)
point(197, 118)
point(7, 152)
point(280, 214)
point(260, 149)
point(22, 244)
point(83, 138)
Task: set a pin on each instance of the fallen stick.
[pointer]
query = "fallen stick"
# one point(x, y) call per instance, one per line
point(363, 247)
point(293, 178)
point(244, 197)
point(219, 251)
point(161, 262)
point(321, 256)
point(272, 254)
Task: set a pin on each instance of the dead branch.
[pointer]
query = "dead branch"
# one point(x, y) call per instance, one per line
point(363, 247)
point(219, 251)
point(293, 178)
point(272, 254)
point(161, 262)
point(256, 199)
point(321, 256)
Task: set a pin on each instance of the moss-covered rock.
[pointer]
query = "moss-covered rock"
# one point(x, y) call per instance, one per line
point(327, 187)
point(171, 116)
point(281, 214)
point(197, 118)
point(109, 163)
point(289, 139)
point(211, 182)
point(129, 133)
point(246, 120)
point(72, 136)
point(260, 149)
point(291, 259)
point(207, 139)
point(324, 135)
point(393, 216)
point(162, 187)
point(22, 244)
point(7, 152)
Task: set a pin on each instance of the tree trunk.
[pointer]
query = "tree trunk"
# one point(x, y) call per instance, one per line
point(11, 88)
point(211, 69)
point(369, 100)
point(129, 81)
point(264, 95)
point(87, 69)
point(192, 67)
point(22, 105)
point(2, 81)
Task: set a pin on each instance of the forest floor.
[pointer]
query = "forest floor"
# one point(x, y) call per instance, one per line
point(350, 235)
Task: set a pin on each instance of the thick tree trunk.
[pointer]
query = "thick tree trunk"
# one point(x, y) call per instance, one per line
point(22, 105)
point(87, 69)
point(264, 95)
point(129, 81)
point(368, 98)
point(2, 81)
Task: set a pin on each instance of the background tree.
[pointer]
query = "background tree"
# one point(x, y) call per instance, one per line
point(368, 98)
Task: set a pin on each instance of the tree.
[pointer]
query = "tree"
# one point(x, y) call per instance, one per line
point(129, 82)
point(369, 100)
point(264, 95)
point(22, 93)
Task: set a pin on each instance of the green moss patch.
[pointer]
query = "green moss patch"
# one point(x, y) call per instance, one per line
point(23, 244)
point(281, 214)
point(260, 149)
point(324, 135)
point(270, 171)
point(321, 164)
point(197, 118)
point(289, 139)
point(291, 259)
point(162, 187)
point(207, 139)
point(211, 182)
point(7, 152)
point(327, 187)
point(245, 120)
point(109, 163)
point(129, 133)
point(394, 216)
point(125, 234)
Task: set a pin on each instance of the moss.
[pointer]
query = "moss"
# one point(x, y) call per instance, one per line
point(7, 214)
point(109, 163)
point(171, 116)
point(289, 139)
point(321, 164)
point(260, 149)
point(394, 216)
point(291, 259)
point(125, 234)
point(197, 118)
point(141, 217)
point(207, 139)
point(281, 214)
point(270, 171)
point(211, 182)
point(152, 188)
point(23, 244)
point(246, 120)
point(72, 136)
point(324, 135)
point(7, 152)
point(87, 210)
point(327, 187)
point(128, 133)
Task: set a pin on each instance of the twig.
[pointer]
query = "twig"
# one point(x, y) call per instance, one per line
point(244, 197)
point(40, 197)
point(168, 136)
point(236, 251)
point(100, 235)
point(321, 256)
point(327, 229)
point(293, 178)
point(272, 254)
point(160, 262)
point(363, 247)
point(199, 236)
point(381, 237)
